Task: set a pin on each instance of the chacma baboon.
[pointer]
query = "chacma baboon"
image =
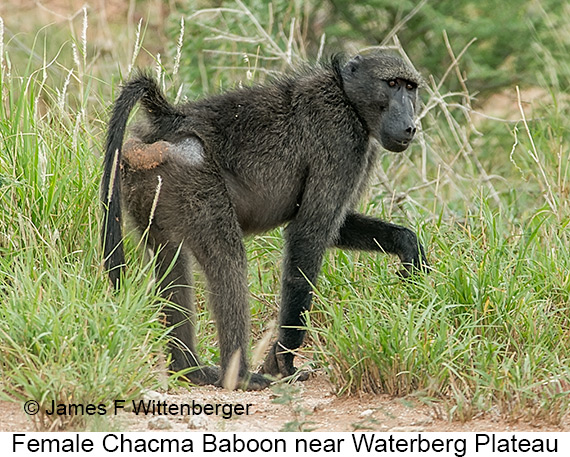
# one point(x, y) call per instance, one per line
point(296, 151)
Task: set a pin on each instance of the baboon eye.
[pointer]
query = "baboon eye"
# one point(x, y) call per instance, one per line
point(410, 86)
point(392, 83)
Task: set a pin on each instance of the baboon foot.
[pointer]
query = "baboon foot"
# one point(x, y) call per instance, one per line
point(279, 363)
point(202, 375)
point(187, 365)
point(251, 381)
point(212, 376)
point(255, 381)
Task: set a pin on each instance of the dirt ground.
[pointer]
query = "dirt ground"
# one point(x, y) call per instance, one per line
point(323, 411)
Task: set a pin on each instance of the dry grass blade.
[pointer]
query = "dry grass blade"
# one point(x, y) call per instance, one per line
point(262, 346)
point(544, 184)
point(231, 377)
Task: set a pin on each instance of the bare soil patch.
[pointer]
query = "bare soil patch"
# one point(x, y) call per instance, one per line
point(325, 411)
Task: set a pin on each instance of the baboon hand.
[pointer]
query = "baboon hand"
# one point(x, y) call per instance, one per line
point(279, 363)
point(413, 256)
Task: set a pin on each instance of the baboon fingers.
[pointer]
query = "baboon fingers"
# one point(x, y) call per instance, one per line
point(212, 376)
point(255, 381)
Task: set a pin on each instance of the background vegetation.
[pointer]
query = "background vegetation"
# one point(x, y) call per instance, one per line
point(486, 185)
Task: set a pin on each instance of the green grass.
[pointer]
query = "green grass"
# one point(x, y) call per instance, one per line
point(63, 336)
point(486, 331)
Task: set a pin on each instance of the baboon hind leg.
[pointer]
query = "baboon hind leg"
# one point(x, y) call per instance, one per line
point(221, 254)
point(194, 209)
point(175, 276)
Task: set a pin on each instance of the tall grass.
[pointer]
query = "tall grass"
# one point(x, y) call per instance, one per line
point(63, 336)
point(484, 332)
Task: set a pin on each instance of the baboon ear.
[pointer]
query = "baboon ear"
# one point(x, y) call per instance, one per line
point(353, 64)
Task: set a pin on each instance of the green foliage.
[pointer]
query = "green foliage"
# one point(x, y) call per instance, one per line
point(484, 330)
point(233, 42)
point(508, 36)
point(508, 47)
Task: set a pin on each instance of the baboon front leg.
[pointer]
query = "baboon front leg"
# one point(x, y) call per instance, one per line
point(174, 273)
point(370, 234)
point(303, 258)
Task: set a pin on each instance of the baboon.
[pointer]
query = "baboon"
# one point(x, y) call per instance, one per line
point(199, 176)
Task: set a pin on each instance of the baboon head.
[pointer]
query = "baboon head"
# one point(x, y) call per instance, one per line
point(384, 92)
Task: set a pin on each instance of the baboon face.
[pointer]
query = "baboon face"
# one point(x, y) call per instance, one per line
point(384, 91)
point(397, 126)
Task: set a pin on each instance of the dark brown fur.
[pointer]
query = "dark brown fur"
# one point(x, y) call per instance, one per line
point(296, 151)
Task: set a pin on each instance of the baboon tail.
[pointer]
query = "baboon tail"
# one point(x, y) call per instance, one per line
point(145, 89)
